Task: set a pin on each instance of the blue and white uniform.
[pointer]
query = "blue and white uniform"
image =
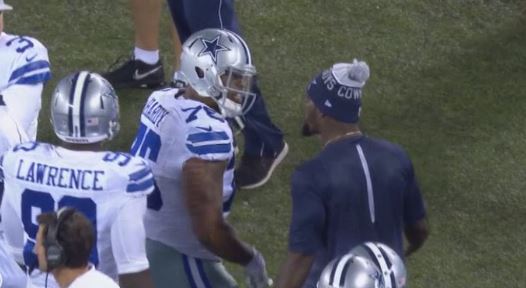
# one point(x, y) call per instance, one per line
point(25, 70)
point(109, 188)
point(173, 130)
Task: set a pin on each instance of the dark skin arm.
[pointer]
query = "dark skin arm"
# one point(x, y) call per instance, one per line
point(416, 235)
point(203, 190)
point(136, 280)
point(294, 271)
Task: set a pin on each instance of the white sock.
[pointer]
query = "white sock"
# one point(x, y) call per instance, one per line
point(147, 56)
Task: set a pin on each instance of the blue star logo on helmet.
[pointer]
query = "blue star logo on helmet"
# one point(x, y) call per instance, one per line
point(212, 48)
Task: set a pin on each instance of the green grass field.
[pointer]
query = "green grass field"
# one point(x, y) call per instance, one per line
point(447, 82)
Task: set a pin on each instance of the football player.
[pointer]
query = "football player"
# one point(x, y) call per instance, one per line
point(189, 145)
point(10, 135)
point(25, 69)
point(110, 188)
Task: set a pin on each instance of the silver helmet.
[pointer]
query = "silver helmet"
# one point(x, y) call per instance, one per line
point(217, 63)
point(84, 109)
point(388, 262)
point(350, 271)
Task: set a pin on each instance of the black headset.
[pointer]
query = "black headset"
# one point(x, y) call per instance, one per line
point(55, 255)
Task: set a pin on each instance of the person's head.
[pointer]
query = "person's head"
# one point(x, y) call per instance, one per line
point(218, 66)
point(389, 263)
point(334, 97)
point(84, 109)
point(3, 7)
point(64, 240)
point(350, 271)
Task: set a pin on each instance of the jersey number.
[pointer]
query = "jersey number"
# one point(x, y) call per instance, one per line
point(36, 202)
point(147, 145)
point(23, 42)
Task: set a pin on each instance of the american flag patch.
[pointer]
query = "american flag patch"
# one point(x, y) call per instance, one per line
point(94, 121)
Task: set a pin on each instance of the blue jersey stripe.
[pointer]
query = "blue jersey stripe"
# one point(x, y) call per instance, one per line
point(186, 265)
point(202, 273)
point(32, 66)
point(209, 149)
point(141, 186)
point(207, 136)
point(34, 79)
point(138, 175)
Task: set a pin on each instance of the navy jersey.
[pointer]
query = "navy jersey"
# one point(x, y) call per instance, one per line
point(357, 189)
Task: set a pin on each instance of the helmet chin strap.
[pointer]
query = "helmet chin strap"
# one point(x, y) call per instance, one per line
point(229, 108)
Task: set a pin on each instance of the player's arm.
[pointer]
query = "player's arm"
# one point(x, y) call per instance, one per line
point(416, 235)
point(128, 243)
point(203, 186)
point(415, 221)
point(295, 270)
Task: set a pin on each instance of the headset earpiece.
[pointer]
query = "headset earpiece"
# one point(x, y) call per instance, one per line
point(55, 255)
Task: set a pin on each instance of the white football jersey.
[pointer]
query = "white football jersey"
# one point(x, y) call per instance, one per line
point(110, 188)
point(172, 130)
point(25, 68)
point(11, 133)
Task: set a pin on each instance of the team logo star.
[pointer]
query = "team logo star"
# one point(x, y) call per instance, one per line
point(212, 48)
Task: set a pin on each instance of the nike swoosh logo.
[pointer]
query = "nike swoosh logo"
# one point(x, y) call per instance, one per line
point(29, 59)
point(140, 76)
point(205, 128)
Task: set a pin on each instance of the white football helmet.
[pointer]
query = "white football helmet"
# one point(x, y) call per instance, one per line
point(391, 266)
point(217, 63)
point(84, 109)
point(350, 271)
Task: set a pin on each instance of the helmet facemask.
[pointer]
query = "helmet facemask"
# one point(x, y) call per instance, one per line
point(235, 97)
point(217, 64)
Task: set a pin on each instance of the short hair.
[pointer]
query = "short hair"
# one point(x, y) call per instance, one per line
point(75, 235)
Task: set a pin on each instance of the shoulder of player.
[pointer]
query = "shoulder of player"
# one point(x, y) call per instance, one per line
point(122, 162)
point(310, 169)
point(24, 151)
point(30, 147)
point(11, 43)
point(388, 146)
point(134, 173)
point(161, 103)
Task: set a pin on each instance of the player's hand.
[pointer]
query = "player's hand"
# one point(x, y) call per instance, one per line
point(256, 272)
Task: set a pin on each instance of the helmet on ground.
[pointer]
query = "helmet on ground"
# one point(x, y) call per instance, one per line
point(391, 266)
point(350, 271)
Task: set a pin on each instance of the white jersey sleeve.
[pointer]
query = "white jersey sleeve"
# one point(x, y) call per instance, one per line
point(25, 69)
point(24, 103)
point(11, 275)
point(11, 133)
point(128, 237)
point(26, 60)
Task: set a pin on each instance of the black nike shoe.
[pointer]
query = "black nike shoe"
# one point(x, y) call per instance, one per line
point(255, 171)
point(135, 74)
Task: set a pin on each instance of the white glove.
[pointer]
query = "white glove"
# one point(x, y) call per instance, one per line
point(256, 272)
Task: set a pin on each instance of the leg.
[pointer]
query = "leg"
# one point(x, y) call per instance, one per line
point(176, 46)
point(146, 17)
point(145, 69)
point(168, 266)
